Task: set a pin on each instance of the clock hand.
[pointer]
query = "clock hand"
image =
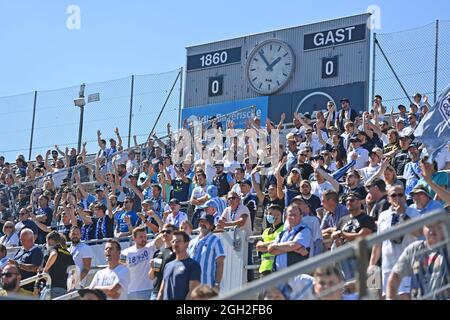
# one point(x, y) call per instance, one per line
point(270, 66)
point(264, 59)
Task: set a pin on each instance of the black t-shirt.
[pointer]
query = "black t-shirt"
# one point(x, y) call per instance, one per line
point(314, 203)
point(181, 189)
point(400, 161)
point(267, 202)
point(305, 170)
point(166, 255)
point(58, 271)
point(355, 224)
point(380, 206)
point(344, 190)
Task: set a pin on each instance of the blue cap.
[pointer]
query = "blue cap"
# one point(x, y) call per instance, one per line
point(212, 191)
point(210, 203)
point(207, 217)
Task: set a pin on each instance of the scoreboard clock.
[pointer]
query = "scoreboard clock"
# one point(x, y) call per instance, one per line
point(298, 66)
point(270, 66)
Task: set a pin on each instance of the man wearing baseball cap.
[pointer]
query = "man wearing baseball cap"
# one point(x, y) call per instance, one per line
point(423, 201)
point(175, 217)
point(207, 250)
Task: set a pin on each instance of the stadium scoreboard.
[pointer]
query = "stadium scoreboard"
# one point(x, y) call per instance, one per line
point(290, 70)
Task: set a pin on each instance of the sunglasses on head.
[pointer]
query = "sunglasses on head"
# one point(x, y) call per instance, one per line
point(351, 200)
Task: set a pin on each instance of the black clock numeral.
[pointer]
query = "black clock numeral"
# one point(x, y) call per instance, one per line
point(285, 54)
point(260, 85)
point(268, 87)
point(253, 69)
point(284, 74)
point(270, 47)
point(255, 59)
point(287, 64)
point(279, 48)
point(253, 80)
point(278, 82)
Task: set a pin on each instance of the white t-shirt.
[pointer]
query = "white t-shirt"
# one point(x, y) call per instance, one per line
point(79, 252)
point(107, 277)
point(138, 262)
point(198, 192)
point(391, 252)
point(231, 216)
point(363, 158)
point(368, 171)
point(318, 188)
point(132, 165)
point(58, 175)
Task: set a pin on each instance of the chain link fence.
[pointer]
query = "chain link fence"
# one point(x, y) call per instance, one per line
point(34, 122)
point(410, 61)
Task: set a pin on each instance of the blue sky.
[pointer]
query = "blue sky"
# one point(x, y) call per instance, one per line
point(119, 38)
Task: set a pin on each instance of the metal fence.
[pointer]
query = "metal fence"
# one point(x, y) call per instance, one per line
point(414, 60)
point(34, 122)
point(358, 282)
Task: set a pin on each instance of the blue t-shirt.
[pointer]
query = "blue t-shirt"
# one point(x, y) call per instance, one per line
point(177, 275)
point(122, 225)
point(431, 206)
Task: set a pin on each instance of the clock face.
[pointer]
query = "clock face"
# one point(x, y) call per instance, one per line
point(270, 66)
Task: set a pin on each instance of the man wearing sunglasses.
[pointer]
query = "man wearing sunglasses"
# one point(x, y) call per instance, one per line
point(390, 250)
point(10, 281)
point(161, 258)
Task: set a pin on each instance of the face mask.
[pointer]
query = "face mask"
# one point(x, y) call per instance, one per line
point(270, 219)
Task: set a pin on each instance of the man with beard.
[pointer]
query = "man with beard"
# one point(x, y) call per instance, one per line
point(10, 281)
point(181, 275)
point(222, 180)
point(82, 254)
point(207, 249)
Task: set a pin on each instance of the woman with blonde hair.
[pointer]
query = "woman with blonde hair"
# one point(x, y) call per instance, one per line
point(10, 238)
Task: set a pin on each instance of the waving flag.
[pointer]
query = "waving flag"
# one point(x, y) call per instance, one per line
point(434, 129)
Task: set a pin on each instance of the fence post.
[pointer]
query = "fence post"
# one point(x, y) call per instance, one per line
point(181, 98)
point(164, 105)
point(131, 109)
point(436, 61)
point(373, 66)
point(393, 71)
point(362, 265)
point(32, 125)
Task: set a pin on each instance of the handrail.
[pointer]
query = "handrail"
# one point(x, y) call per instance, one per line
point(326, 258)
point(68, 296)
point(285, 275)
point(46, 276)
point(409, 226)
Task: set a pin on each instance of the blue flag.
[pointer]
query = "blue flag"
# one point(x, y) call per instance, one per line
point(434, 129)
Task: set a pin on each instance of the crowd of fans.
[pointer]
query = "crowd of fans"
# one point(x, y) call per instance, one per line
point(340, 176)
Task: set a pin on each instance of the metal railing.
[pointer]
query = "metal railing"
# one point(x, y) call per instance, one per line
point(358, 248)
point(40, 276)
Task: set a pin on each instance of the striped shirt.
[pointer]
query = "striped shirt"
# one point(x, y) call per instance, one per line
point(206, 251)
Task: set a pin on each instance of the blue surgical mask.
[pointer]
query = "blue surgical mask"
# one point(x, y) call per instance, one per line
point(270, 219)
